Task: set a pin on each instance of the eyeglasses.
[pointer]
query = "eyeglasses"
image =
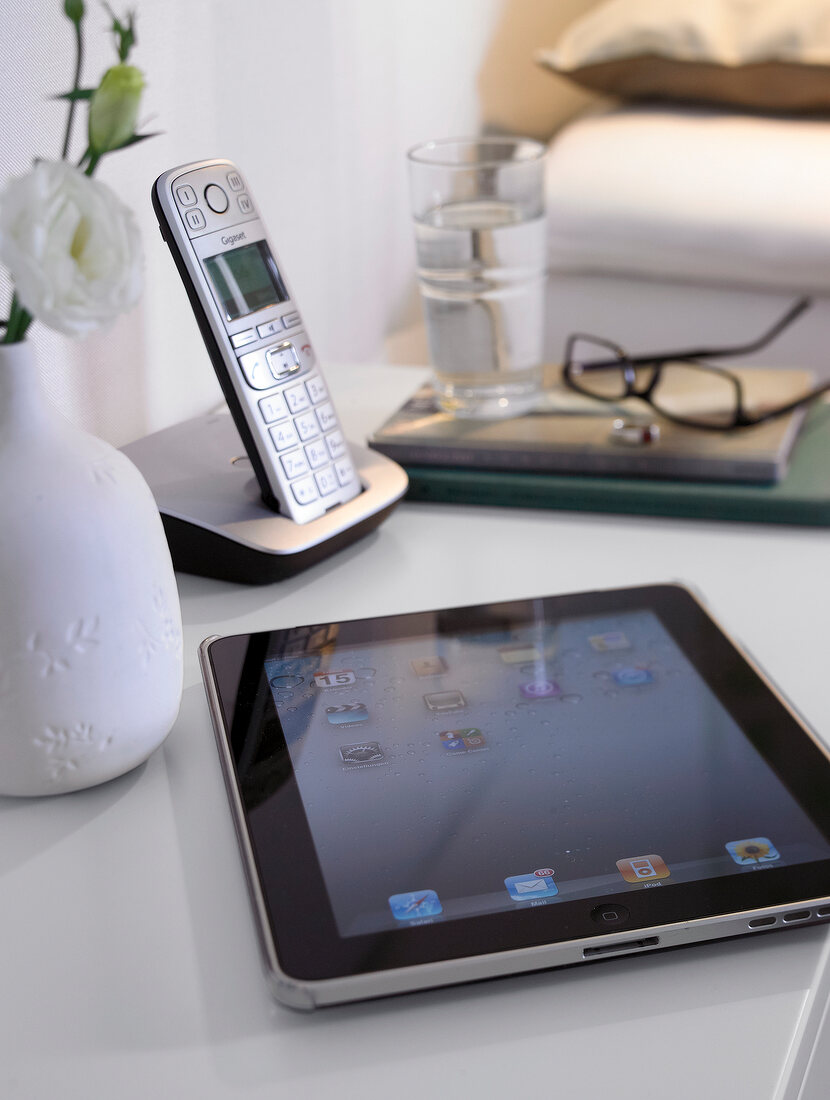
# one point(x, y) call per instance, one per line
point(676, 384)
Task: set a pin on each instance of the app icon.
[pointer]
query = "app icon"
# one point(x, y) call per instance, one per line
point(749, 853)
point(640, 868)
point(519, 653)
point(612, 639)
point(462, 740)
point(334, 679)
point(630, 677)
point(540, 689)
point(347, 714)
point(440, 701)
point(421, 903)
point(429, 666)
point(368, 752)
point(530, 887)
point(285, 683)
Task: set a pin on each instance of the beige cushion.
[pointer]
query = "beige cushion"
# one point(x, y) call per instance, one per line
point(771, 55)
point(692, 194)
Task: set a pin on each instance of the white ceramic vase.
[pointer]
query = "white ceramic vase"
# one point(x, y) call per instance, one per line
point(90, 624)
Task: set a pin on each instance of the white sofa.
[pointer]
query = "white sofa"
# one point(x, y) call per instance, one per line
point(673, 226)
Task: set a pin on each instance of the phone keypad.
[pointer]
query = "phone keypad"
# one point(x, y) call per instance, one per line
point(306, 426)
point(317, 454)
point(297, 399)
point(273, 408)
point(326, 481)
point(336, 444)
point(327, 416)
point(284, 435)
point(304, 490)
point(294, 464)
point(303, 428)
point(344, 471)
point(316, 389)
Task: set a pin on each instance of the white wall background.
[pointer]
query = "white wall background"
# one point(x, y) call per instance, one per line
point(316, 100)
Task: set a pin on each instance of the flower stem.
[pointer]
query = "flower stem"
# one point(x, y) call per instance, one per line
point(19, 321)
point(79, 57)
point(92, 164)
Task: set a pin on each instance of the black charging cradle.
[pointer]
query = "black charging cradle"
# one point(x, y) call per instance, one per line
point(215, 520)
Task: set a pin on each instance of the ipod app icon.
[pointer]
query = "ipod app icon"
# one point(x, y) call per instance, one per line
point(642, 868)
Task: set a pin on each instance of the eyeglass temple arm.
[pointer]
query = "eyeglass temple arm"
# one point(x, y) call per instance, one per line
point(795, 310)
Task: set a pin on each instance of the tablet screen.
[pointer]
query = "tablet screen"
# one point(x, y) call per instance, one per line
point(544, 768)
point(444, 777)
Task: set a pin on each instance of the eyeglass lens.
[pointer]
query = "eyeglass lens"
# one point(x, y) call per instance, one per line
point(688, 392)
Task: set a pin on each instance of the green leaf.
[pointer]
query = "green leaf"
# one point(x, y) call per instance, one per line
point(140, 137)
point(78, 94)
point(124, 32)
point(134, 140)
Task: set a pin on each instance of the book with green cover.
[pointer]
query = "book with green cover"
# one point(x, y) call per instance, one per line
point(800, 496)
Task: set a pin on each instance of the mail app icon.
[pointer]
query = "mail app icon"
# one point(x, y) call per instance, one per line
point(530, 887)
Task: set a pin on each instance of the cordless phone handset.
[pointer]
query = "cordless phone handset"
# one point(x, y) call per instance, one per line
point(256, 339)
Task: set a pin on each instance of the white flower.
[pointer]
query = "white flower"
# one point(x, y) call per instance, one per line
point(72, 248)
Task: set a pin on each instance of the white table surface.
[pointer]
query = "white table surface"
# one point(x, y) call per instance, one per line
point(129, 966)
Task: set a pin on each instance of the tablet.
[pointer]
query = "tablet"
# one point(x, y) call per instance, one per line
point(452, 795)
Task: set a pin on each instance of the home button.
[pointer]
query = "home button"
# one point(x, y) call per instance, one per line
point(611, 916)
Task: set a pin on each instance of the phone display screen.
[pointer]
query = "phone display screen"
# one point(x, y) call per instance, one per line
point(245, 279)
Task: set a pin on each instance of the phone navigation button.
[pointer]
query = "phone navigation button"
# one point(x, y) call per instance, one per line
point(283, 360)
point(195, 219)
point(216, 198)
point(185, 195)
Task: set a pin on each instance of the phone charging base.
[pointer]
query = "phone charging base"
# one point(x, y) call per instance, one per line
point(215, 520)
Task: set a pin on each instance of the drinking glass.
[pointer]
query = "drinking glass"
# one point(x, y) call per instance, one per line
point(479, 211)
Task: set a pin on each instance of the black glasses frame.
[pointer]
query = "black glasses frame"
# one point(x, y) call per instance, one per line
point(628, 366)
